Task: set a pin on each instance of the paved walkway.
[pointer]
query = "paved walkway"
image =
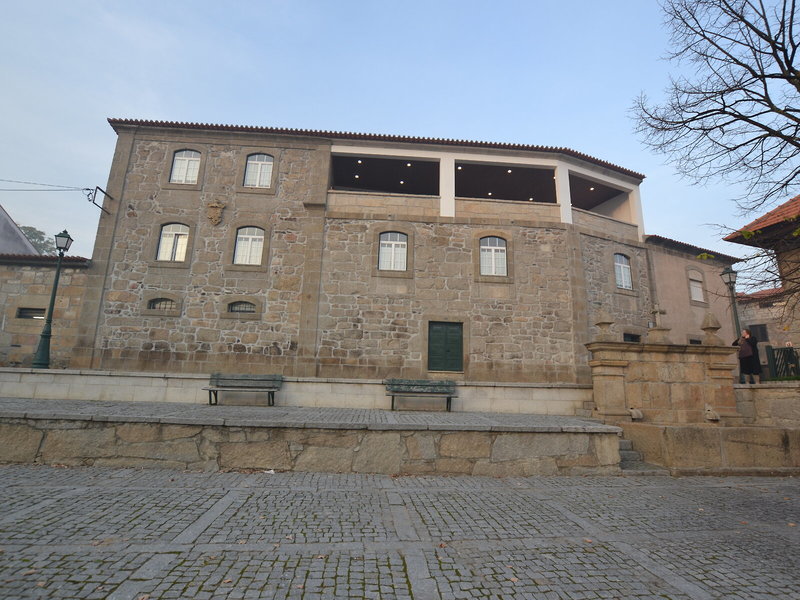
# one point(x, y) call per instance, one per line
point(125, 534)
point(292, 416)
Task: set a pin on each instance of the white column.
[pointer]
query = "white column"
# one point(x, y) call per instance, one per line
point(563, 196)
point(447, 186)
point(637, 215)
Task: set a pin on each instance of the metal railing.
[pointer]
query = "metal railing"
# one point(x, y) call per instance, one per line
point(782, 362)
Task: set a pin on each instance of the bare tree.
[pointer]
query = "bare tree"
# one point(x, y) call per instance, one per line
point(735, 114)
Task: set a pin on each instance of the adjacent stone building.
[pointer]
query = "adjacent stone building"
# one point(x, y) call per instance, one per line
point(337, 255)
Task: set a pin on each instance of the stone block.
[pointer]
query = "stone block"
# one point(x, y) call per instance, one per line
point(471, 444)
point(20, 443)
point(92, 442)
point(421, 446)
point(516, 468)
point(184, 451)
point(255, 455)
point(454, 466)
point(696, 446)
point(757, 447)
point(605, 448)
point(378, 453)
point(324, 459)
point(510, 446)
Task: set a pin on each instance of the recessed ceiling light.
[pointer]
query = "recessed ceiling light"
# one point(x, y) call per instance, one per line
point(408, 164)
point(509, 171)
point(359, 161)
point(490, 193)
point(530, 199)
point(402, 182)
point(459, 167)
point(591, 189)
point(356, 176)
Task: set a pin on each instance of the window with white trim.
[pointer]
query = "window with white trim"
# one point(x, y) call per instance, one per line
point(622, 272)
point(185, 167)
point(393, 251)
point(258, 171)
point(696, 291)
point(493, 256)
point(249, 246)
point(172, 243)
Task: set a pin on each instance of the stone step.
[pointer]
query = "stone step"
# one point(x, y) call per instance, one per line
point(631, 462)
point(630, 456)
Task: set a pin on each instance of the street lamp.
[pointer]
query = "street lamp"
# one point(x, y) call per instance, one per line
point(41, 359)
point(729, 278)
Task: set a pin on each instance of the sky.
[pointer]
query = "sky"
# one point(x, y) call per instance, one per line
point(542, 72)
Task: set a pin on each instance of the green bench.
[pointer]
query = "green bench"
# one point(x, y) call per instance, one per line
point(224, 382)
point(421, 388)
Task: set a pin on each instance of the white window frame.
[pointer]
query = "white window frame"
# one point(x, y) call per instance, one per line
point(696, 287)
point(258, 171)
point(173, 242)
point(622, 272)
point(249, 246)
point(493, 256)
point(393, 251)
point(185, 167)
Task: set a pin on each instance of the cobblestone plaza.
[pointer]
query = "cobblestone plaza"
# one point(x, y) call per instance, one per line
point(127, 534)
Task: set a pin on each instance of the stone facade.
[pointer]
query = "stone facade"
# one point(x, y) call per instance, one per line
point(320, 306)
point(26, 284)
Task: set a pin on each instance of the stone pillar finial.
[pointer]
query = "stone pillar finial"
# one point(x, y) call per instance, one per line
point(710, 326)
point(604, 323)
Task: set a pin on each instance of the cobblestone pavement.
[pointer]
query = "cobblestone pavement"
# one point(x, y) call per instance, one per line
point(126, 534)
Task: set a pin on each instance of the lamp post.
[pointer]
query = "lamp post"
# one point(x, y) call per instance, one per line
point(41, 359)
point(729, 278)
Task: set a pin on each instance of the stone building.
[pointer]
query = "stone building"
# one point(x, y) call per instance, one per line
point(772, 314)
point(338, 255)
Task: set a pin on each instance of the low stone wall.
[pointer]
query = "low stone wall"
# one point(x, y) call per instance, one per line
point(545, 399)
point(713, 450)
point(336, 449)
point(774, 404)
point(664, 383)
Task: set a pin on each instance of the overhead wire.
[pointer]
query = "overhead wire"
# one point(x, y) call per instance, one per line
point(59, 188)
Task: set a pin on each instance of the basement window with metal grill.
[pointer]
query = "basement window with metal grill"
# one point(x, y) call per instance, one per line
point(241, 307)
point(30, 313)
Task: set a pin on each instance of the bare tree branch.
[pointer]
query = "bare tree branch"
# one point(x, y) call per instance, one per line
point(737, 117)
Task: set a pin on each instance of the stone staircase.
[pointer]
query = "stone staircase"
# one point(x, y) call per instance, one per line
point(631, 462)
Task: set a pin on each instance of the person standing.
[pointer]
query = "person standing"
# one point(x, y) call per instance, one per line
point(749, 362)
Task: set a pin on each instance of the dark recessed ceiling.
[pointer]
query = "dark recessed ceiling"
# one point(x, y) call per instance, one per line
point(386, 175)
point(505, 182)
point(587, 194)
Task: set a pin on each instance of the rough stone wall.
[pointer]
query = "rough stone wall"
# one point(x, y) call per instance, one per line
point(202, 336)
point(212, 448)
point(28, 286)
point(516, 330)
point(628, 309)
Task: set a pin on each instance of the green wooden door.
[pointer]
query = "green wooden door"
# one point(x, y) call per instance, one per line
point(445, 346)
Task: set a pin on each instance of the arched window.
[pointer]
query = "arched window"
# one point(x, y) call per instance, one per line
point(162, 304)
point(493, 256)
point(249, 246)
point(258, 171)
point(241, 307)
point(185, 167)
point(172, 243)
point(696, 291)
point(622, 272)
point(393, 251)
